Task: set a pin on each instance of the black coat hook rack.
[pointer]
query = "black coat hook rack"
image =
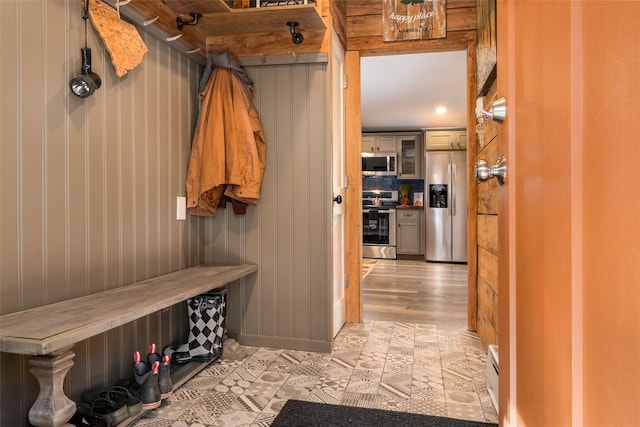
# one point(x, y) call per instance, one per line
point(195, 15)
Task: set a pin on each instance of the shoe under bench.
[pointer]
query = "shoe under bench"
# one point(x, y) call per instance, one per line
point(49, 332)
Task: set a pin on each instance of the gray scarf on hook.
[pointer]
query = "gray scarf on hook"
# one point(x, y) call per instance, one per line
point(224, 60)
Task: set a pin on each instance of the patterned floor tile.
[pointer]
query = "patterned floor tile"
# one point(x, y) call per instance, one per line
point(274, 406)
point(344, 359)
point(171, 409)
point(233, 383)
point(461, 397)
point(391, 403)
point(369, 364)
point(426, 369)
point(287, 392)
point(249, 403)
point(398, 367)
point(255, 366)
point(308, 370)
point(465, 412)
point(187, 394)
point(264, 420)
point(236, 419)
point(206, 382)
point(156, 422)
point(286, 362)
point(337, 384)
point(208, 408)
point(401, 359)
point(366, 375)
point(361, 400)
point(337, 373)
point(325, 395)
point(429, 407)
point(363, 386)
point(394, 391)
point(302, 381)
point(273, 377)
point(429, 393)
point(260, 388)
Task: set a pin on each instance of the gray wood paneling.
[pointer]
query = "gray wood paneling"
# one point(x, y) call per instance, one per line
point(88, 187)
point(88, 192)
point(288, 233)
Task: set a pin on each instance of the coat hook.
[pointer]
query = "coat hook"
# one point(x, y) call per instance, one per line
point(122, 3)
point(150, 21)
point(296, 37)
point(294, 56)
point(195, 15)
point(170, 39)
point(194, 50)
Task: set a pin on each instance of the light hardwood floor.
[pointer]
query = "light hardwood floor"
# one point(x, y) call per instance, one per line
point(415, 292)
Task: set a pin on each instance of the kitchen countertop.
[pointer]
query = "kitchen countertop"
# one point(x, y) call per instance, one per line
point(410, 207)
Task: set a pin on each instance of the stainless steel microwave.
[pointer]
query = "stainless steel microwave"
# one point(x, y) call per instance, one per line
point(380, 164)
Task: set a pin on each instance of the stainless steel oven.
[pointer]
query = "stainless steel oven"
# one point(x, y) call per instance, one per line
point(379, 232)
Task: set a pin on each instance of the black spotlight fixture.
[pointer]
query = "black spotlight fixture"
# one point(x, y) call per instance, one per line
point(296, 37)
point(87, 82)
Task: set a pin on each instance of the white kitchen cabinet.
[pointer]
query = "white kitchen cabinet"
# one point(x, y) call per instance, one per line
point(462, 140)
point(410, 159)
point(378, 144)
point(408, 232)
point(408, 146)
point(445, 139)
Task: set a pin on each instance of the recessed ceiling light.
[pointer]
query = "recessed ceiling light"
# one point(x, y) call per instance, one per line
point(441, 110)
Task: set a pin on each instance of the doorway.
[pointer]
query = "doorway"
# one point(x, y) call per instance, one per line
point(402, 93)
point(354, 127)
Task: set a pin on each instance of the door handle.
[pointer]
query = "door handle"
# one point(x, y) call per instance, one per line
point(483, 171)
point(449, 190)
point(497, 111)
point(454, 177)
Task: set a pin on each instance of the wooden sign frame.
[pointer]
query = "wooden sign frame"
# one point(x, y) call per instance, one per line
point(414, 19)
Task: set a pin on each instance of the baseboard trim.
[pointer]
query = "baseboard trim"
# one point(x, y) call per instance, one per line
point(282, 342)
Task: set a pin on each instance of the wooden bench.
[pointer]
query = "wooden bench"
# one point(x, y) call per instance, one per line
point(48, 333)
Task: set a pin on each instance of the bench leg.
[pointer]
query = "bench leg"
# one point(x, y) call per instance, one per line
point(52, 408)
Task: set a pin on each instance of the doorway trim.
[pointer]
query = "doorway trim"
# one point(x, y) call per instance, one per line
point(353, 217)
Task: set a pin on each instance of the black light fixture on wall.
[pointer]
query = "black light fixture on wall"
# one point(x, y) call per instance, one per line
point(87, 82)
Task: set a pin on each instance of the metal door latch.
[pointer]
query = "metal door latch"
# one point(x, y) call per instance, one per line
point(483, 171)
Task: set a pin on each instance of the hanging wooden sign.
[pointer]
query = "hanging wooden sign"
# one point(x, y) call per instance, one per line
point(413, 19)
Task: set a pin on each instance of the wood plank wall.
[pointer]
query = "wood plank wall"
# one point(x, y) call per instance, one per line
point(364, 29)
point(88, 187)
point(487, 221)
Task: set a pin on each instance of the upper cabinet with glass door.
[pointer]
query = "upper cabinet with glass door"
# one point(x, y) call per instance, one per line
point(410, 157)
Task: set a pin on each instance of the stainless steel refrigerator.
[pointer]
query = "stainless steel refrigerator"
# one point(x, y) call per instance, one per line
point(446, 206)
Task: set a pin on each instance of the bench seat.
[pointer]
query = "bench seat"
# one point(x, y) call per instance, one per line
point(49, 332)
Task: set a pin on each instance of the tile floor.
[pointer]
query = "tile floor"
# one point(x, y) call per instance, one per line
point(422, 368)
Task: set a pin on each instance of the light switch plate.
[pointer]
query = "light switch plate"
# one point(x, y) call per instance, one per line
point(181, 208)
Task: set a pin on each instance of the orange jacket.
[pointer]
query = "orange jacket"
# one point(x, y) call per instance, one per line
point(228, 151)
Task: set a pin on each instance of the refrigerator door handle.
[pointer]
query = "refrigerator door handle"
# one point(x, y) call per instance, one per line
point(454, 172)
point(450, 189)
